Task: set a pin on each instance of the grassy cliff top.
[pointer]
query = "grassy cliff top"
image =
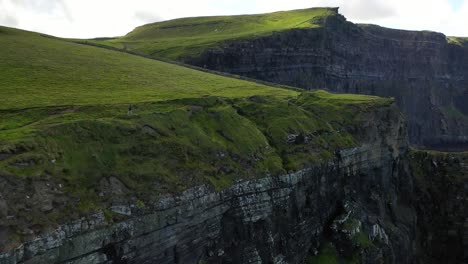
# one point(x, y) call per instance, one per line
point(189, 36)
point(69, 146)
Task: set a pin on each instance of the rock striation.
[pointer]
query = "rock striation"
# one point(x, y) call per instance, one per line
point(426, 73)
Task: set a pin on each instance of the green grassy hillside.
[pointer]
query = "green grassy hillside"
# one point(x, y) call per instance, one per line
point(41, 71)
point(66, 134)
point(189, 36)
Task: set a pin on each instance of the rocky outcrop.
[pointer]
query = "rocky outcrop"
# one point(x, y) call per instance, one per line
point(426, 74)
point(275, 219)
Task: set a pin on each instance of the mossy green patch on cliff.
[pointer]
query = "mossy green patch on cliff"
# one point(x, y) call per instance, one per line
point(452, 165)
point(269, 129)
point(362, 240)
point(190, 36)
point(326, 255)
point(453, 112)
point(309, 128)
point(329, 254)
point(460, 41)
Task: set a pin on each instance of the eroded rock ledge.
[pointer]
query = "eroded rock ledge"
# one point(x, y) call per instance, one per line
point(278, 219)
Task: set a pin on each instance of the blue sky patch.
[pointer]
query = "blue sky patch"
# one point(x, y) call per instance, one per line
point(456, 4)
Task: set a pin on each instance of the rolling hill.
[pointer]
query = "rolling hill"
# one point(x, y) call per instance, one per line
point(187, 37)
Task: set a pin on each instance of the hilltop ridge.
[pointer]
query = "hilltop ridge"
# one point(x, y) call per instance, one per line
point(190, 36)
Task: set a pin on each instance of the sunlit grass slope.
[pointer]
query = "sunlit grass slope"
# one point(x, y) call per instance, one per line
point(190, 36)
point(36, 70)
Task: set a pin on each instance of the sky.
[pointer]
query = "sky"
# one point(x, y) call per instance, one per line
point(108, 18)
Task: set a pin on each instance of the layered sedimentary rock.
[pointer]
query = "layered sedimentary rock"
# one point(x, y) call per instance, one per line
point(426, 73)
point(275, 219)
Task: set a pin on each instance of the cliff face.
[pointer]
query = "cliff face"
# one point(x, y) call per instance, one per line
point(427, 75)
point(441, 187)
point(356, 201)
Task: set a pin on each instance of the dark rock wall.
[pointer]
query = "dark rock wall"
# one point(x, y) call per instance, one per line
point(427, 75)
point(441, 181)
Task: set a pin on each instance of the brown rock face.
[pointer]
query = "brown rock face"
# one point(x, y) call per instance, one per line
point(427, 75)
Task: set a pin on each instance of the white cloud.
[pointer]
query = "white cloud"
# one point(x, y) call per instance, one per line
point(95, 18)
point(434, 15)
point(368, 9)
